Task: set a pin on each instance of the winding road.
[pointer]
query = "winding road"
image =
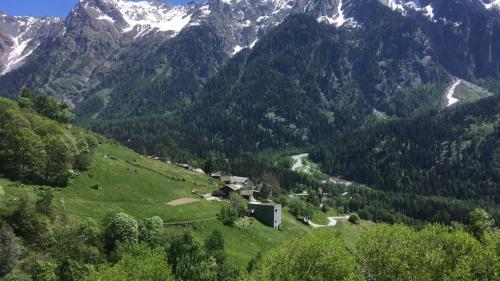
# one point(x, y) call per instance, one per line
point(332, 222)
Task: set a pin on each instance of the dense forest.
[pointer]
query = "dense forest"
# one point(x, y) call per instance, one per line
point(275, 95)
point(452, 154)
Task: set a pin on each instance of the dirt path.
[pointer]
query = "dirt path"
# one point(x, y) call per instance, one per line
point(182, 201)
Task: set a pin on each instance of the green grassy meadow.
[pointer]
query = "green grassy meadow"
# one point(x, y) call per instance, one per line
point(141, 187)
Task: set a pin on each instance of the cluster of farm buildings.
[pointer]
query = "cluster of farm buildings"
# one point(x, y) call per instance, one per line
point(267, 213)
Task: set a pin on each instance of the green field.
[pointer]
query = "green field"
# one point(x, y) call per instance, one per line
point(139, 186)
point(467, 93)
point(320, 217)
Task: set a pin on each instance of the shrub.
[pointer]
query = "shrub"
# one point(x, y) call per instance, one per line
point(138, 263)
point(320, 257)
point(300, 209)
point(227, 215)
point(149, 229)
point(238, 204)
point(10, 250)
point(44, 271)
point(354, 219)
point(122, 228)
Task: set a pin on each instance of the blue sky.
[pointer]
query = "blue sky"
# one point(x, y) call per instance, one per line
point(58, 8)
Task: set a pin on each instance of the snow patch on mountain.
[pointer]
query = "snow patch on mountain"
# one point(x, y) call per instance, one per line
point(144, 16)
point(338, 19)
point(17, 53)
point(491, 4)
point(395, 5)
point(451, 92)
point(106, 18)
point(22, 34)
point(101, 15)
point(406, 6)
point(236, 50)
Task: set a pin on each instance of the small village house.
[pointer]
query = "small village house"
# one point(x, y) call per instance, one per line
point(267, 213)
point(245, 182)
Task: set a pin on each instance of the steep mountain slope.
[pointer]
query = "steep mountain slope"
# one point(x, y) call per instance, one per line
point(178, 67)
point(303, 82)
point(20, 36)
point(106, 37)
point(454, 153)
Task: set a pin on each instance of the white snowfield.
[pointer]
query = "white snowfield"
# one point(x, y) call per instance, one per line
point(18, 52)
point(144, 16)
point(405, 7)
point(451, 92)
point(339, 19)
point(495, 4)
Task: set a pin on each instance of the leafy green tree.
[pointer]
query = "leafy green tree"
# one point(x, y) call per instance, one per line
point(300, 208)
point(90, 231)
point(10, 249)
point(43, 203)
point(27, 155)
point(214, 242)
point(35, 228)
point(71, 270)
point(122, 228)
point(44, 271)
point(182, 247)
point(237, 208)
point(138, 263)
point(150, 229)
point(270, 185)
point(400, 253)
point(479, 223)
point(86, 145)
point(238, 204)
point(46, 106)
point(319, 257)
point(17, 275)
point(214, 246)
point(227, 215)
point(59, 160)
point(354, 219)
point(254, 261)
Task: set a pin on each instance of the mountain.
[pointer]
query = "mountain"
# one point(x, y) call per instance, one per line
point(20, 36)
point(453, 153)
point(105, 36)
point(219, 69)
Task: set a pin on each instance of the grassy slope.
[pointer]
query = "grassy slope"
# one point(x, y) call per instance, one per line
point(140, 187)
point(466, 93)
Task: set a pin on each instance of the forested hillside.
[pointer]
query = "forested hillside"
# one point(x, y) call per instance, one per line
point(453, 154)
point(37, 144)
point(302, 83)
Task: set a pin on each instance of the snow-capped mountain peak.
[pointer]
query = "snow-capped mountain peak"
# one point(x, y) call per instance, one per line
point(407, 6)
point(146, 16)
point(140, 17)
point(21, 36)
